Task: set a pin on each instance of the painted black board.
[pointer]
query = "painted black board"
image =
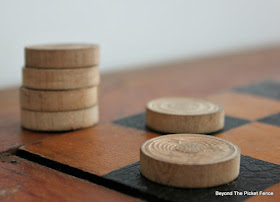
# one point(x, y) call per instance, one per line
point(269, 89)
point(273, 119)
point(255, 175)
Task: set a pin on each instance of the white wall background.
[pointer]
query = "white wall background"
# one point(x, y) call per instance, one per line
point(135, 32)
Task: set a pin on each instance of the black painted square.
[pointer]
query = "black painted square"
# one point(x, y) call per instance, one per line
point(270, 89)
point(272, 119)
point(138, 121)
point(135, 121)
point(255, 175)
point(230, 123)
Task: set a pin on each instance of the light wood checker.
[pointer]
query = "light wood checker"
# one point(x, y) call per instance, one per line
point(62, 55)
point(54, 101)
point(184, 115)
point(59, 121)
point(60, 79)
point(189, 161)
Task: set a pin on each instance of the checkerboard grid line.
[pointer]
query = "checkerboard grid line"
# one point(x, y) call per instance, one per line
point(267, 89)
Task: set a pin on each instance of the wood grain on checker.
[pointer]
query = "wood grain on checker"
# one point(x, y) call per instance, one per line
point(60, 79)
point(189, 160)
point(59, 121)
point(108, 149)
point(62, 55)
point(58, 100)
point(184, 115)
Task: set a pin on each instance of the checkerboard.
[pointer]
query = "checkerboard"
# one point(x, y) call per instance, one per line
point(108, 154)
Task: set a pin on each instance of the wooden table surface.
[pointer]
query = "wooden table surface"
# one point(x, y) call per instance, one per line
point(92, 153)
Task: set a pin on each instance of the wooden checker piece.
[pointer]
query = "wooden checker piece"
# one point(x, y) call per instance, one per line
point(184, 115)
point(62, 55)
point(60, 79)
point(59, 121)
point(64, 100)
point(189, 160)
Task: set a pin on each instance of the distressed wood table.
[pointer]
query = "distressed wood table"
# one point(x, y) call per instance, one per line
point(101, 163)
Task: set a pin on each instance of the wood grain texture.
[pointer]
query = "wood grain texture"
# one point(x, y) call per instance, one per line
point(180, 78)
point(257, 140)
point(57, 101)
point(106, 147)
point(98, 150)
point(216, 74)
point(59, 121)
point(22, 180)
point(62, 55)
point(184, 115)
point(189, 161)
point(233, 100)
point(60, 79)
point(11, 133)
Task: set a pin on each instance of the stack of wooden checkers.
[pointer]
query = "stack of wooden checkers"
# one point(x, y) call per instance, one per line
point(60, 87)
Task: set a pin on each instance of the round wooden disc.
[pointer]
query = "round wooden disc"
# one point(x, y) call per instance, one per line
point(62, 55)
point(59, 121)
point(184, 115)
point(189, 160)
point(64, 100)
point(60, 79)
